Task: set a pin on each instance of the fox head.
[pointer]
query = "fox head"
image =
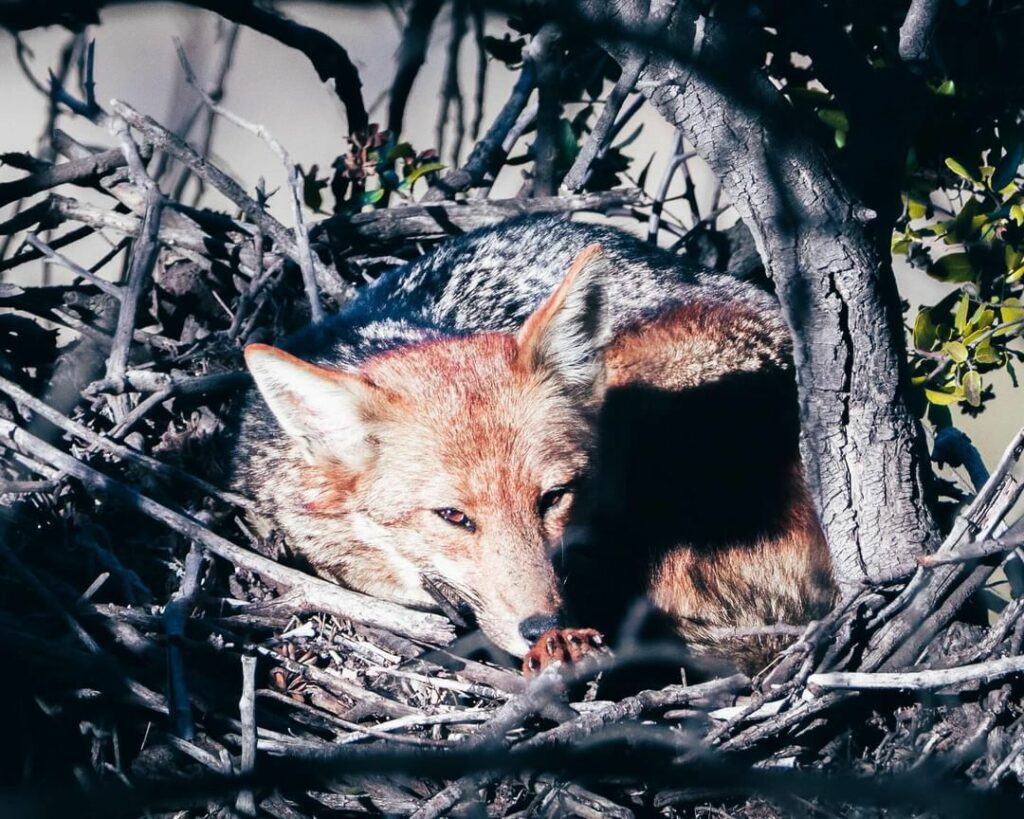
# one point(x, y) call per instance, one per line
point(454, 459)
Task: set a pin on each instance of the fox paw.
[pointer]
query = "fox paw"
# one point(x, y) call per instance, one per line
point(565, 645)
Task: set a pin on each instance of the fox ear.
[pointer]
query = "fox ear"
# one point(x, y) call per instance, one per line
point(323, 410)
point(567, 334)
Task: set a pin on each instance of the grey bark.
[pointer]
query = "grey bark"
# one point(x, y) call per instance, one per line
point(862, 449)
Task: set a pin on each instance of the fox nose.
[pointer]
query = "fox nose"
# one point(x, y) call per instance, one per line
point(536, 624)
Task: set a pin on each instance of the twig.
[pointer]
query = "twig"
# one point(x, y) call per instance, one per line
point(358, 732)
point(76, 172)
point(24, 256)
point(166, 471)
point(319, 593)
point(175, 614)
point(916, 30)
point(919, 680)
point(440, 219)
point(412, 52)
point(335, 683)
point(547, 58)
point(973, 551)
point(541, 690)
point(451, 91)
point(675, 159)
point(107, 287)
point(329, 58)
point(631, 708)
point(216, 93)
point(597, 144)
point(476, 13)
point(164, 140)
point(143, 260)
point(487, 155)
point(904, 637)
point(246, 801)
point(306, 263)
point(56, 208)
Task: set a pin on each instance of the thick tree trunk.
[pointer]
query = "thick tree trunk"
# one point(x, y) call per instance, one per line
point(862, 448)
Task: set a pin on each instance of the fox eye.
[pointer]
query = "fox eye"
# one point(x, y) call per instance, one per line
point(554, 498)
point(456, 517)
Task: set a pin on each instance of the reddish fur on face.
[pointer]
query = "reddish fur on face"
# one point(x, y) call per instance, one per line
point(460, 423)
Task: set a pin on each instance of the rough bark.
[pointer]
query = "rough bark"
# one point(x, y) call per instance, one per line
point(862, 448)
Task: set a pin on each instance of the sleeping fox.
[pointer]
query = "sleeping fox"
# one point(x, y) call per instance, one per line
point(542, 420)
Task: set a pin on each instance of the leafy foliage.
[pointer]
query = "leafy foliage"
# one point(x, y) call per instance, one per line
point(967, 232)
point(375, 166)
point(936, 149)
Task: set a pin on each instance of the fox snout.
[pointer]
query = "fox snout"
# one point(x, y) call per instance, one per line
point(534, 626)
point(516, 602)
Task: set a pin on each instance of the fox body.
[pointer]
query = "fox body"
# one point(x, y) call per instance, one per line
point(545, 414)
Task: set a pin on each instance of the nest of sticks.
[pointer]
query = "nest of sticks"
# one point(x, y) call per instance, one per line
point(161, 660)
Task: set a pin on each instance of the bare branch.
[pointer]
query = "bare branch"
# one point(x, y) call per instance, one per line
point(489, 153)
point(306, 263)
point(920, 680)
point(76, 172)
point(917, 28)
point(597, 144)
point(329, 59)
point(318, 593)
point(247, 711)
point(411, 54)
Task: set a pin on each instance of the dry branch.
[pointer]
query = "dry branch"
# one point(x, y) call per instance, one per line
point(920, 680)
point(319, 594)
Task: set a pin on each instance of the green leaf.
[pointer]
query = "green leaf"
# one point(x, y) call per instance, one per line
point(953, 267)
point(1017, 214)
point(969, 219)
point(944, 399)
point(403, 150)
point(916, 209)
point(422, 170)
point(982, 318)
point(834, 118)
point(985, 353)
point(972, 388)
point(960, 316)
point(924, 331)
point(1010, 311)
point(960, 170)
point(311, 187)
point(946, 89)
point(568, 146)
point(955, 350)
point(633, 136)
point(641, 180)
point(1006, 170)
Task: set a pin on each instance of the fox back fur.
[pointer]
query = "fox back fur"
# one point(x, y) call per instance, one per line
point(542, 415)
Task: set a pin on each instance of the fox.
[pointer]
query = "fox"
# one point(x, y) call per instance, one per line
point(547, 421)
